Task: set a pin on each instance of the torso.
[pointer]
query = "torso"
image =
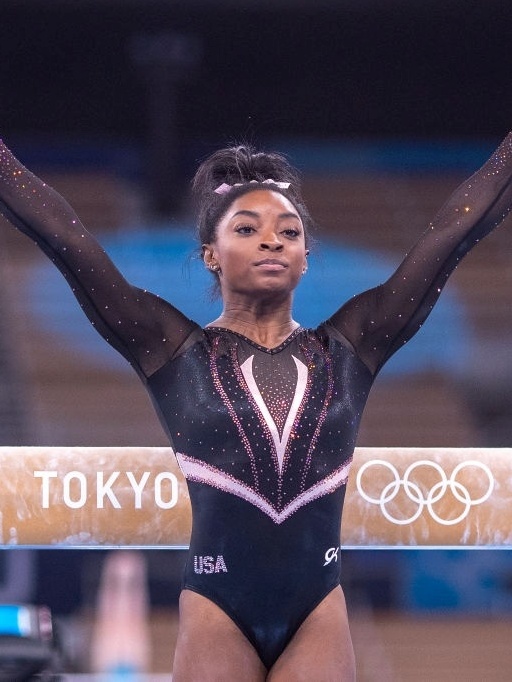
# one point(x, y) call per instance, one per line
point(265, 439)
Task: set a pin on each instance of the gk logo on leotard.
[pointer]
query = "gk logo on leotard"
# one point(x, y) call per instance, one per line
point(436, 498)
point(331, 555)
point(207, 565)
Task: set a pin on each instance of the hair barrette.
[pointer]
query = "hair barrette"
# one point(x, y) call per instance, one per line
point(225, 188)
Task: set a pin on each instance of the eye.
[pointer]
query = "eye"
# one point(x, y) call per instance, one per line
point(291, 232)
point(244, 229)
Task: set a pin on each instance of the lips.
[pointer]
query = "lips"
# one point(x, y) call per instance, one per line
point(271, 263)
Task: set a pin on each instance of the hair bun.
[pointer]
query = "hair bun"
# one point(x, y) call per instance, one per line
point(242, 164)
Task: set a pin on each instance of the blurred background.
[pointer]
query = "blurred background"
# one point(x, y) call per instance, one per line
point(385, 106)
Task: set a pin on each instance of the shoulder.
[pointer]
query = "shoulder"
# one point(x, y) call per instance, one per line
point(328, 334)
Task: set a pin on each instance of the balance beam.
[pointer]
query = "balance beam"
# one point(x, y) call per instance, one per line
point(70, 497)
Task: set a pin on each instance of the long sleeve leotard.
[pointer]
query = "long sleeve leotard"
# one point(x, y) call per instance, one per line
point(264, 436)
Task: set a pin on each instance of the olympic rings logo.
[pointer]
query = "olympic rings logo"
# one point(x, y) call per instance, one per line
point(425, 499)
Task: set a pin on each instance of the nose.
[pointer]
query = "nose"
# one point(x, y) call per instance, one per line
point(271, 242)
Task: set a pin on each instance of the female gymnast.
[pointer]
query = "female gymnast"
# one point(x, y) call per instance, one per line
point(262, 413)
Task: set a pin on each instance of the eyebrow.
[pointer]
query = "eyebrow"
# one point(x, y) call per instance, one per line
point(255, 214)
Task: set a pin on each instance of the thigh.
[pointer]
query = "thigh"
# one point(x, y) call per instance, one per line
point(210, 646)
point(321, 649)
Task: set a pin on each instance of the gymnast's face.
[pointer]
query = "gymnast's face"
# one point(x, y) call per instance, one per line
point(259, 245)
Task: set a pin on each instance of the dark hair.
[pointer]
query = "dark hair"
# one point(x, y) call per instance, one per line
point(242, 164)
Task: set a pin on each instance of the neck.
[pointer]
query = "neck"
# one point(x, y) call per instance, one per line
point(267, 328)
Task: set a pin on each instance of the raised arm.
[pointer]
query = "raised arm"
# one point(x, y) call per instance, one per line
point(379, 321)
point(141, 326)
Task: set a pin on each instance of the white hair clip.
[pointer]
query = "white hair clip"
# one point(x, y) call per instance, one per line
point(225, 188)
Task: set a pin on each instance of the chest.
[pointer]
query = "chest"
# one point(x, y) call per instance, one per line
point(226, 398)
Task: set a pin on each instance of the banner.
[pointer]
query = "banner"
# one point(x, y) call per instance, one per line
point(137, 497)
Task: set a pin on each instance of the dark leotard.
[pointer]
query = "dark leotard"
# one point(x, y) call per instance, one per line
point(264, 436)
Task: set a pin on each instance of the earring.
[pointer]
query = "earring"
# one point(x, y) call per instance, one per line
point(213, 267)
